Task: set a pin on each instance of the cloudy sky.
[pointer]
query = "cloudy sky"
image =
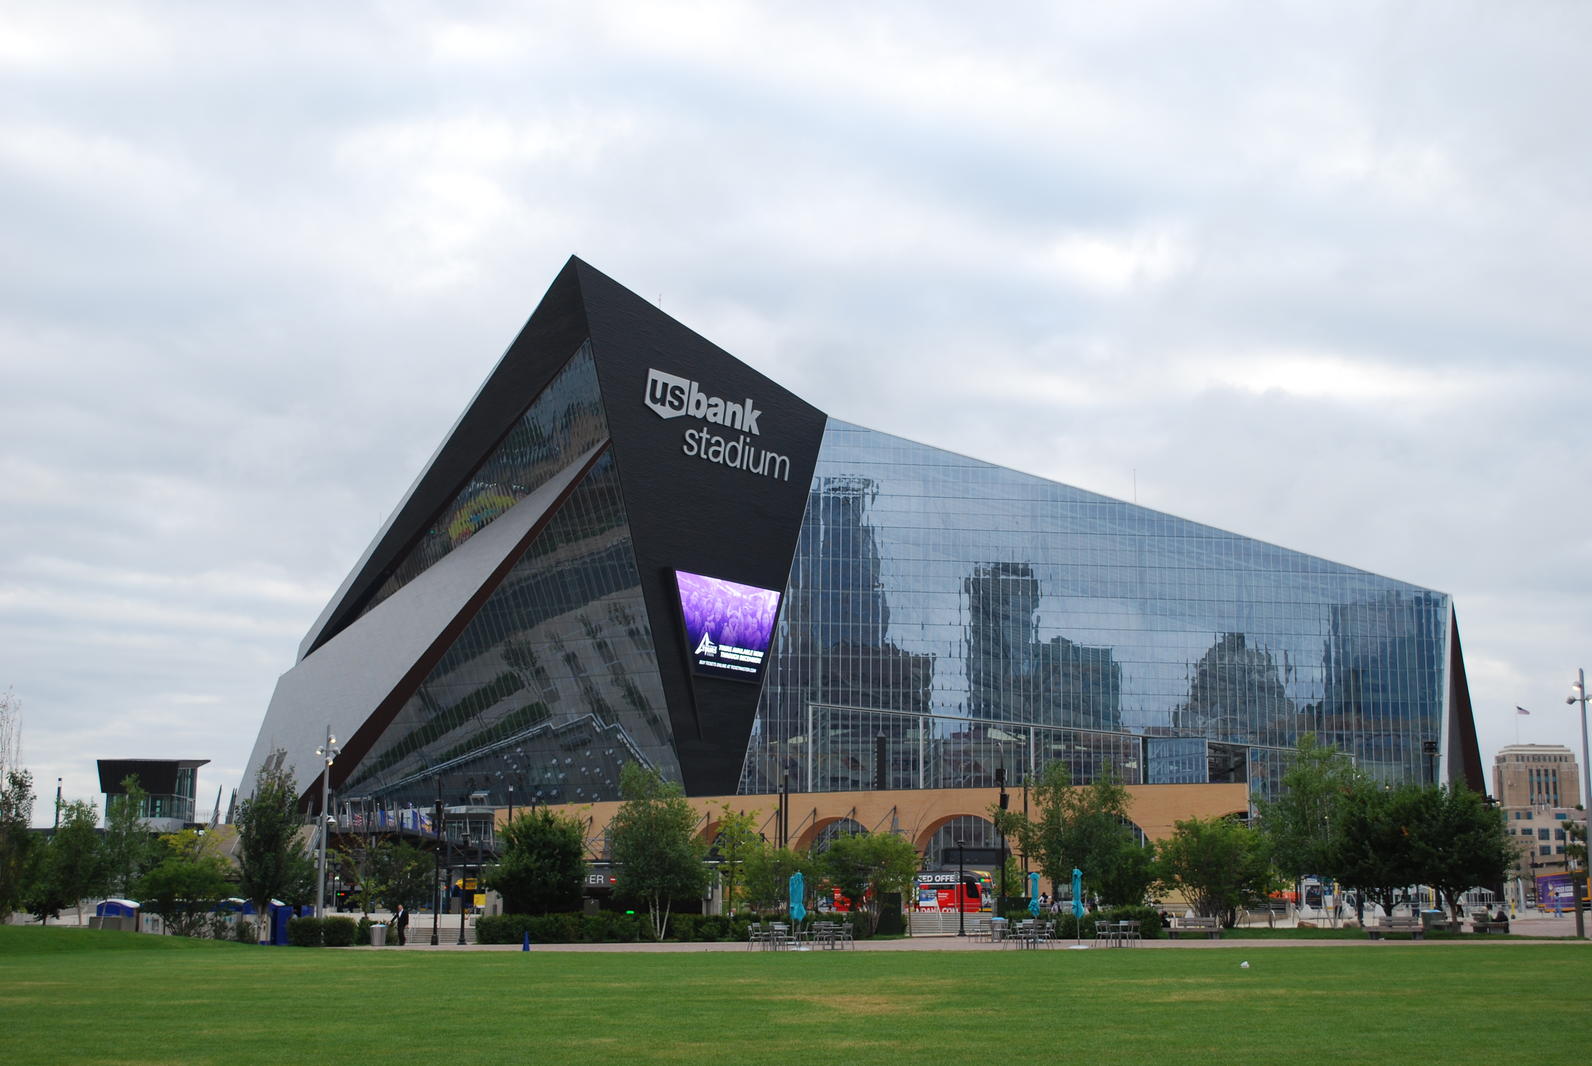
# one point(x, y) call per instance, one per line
point(1303, 271)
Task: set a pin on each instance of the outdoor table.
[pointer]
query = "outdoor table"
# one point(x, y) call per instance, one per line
point(1028, 933)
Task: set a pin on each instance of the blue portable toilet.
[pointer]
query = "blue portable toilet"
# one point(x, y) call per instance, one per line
point(229, 909)
point(117, 914)
point(279, 914)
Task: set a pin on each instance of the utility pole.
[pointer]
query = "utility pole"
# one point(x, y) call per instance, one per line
point(328, 755)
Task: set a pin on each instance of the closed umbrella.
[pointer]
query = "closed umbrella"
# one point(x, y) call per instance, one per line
point(1033, 894)
point(798, 892)
point(1077, 905)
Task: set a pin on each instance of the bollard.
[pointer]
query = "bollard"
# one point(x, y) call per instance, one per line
point(525, 945)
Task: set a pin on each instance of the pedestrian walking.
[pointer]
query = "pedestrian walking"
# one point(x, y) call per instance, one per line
point(402, 922)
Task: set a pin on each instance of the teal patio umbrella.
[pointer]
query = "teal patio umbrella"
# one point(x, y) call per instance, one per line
point(1077, 892)
point(1033, 894)
point(798, 892)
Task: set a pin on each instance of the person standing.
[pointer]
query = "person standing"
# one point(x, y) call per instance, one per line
point(401, 920)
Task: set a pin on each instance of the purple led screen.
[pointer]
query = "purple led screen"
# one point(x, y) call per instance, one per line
point(728, 626)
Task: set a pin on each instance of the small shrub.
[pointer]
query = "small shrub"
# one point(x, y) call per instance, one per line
point(498, 928)
point(305, 932)
point(339, 932)
point(362, 931)
point(243, 932)
point(219, 928)
point(611, 927)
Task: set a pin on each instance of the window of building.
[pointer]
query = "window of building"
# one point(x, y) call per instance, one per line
point(1545, 849)
point(1542, 834)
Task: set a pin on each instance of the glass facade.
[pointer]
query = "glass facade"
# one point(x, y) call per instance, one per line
point(565, 420)
point(975, 617)
point(553, 684)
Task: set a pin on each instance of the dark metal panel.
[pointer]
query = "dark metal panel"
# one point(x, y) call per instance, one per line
point(1464, 753)
point(697, 514)
point(156, 776)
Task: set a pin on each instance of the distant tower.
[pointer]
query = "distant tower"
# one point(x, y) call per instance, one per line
point(1536, 775)
point(1538, 788)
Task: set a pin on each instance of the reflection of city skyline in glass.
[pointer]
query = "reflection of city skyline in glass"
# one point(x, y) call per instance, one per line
point(728, 625)
point(976, 617)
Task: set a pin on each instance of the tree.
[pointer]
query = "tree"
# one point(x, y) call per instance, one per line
point(359, 866)
point(78, 854)
point(1371, 851)
point(1085, 827)
point(542, 864)
point(42, 894)
point(271, 861)
point(765, 875)
point(652, 838)
point(1575, 848)
point(865, 866)
point(16, 842)
point(737, 838)
point(1302, 822)
point(184, 887)
point(129, 848)
point(1459, 843)
point(407, 873)
point(1219, 865)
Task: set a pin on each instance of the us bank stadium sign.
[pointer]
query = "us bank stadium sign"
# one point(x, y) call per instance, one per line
point(730, 437)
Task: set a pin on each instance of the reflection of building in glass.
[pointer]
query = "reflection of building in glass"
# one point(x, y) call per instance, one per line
point(517, 622)
point(1237, 694)
point(1013, 676)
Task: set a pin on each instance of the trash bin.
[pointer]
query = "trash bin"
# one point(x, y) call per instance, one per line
point(378, 936)
point(1431, 920)
point(997, 929)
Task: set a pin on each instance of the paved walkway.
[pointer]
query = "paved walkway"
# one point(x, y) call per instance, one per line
point(1531, 926)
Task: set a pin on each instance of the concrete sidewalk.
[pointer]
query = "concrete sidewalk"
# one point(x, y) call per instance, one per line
point(1533, 925)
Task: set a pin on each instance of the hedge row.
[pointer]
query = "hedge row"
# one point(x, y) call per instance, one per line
point(323, 932)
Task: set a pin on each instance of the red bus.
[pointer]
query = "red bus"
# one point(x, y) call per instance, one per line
point(950, 891)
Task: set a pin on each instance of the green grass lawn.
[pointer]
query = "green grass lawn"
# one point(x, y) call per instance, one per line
point(79, 996)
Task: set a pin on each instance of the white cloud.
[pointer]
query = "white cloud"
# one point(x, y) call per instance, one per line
point(1309, 274)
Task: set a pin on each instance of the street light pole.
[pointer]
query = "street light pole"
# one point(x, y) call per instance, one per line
point(436, 873)
point(1000, 781)
point(328, 755)
point(1578, 695)
point(464, 877)
point(961, 891)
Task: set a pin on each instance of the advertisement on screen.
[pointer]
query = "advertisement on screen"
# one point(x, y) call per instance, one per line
point(728, 626)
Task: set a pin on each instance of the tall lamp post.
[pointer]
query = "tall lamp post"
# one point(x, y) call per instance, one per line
point(328, 754)
point(436, 877)
point(464, 877)
point(961, 891)
point(1004, 800)
point(1578, 695)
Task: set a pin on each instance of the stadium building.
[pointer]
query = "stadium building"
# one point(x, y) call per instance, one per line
point(632, 546)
